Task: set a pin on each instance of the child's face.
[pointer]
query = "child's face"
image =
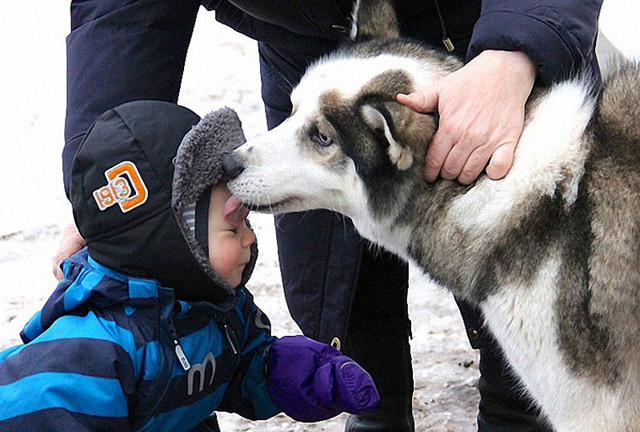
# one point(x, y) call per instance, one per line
point(229, 236)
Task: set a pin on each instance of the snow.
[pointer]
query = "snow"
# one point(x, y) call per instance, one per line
point(221, 70)
point(619, 23)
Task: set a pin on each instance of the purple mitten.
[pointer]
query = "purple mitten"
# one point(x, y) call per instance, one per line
point(311, 381)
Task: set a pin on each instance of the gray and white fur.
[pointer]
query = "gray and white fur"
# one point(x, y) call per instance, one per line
point(550, 253)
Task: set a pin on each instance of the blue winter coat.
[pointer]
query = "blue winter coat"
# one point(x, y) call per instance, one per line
point(108, 353)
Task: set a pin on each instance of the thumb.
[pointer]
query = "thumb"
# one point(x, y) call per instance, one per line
point(423, 101)
point(354, 386)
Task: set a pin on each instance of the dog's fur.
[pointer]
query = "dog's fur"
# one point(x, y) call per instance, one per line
point(550, 253)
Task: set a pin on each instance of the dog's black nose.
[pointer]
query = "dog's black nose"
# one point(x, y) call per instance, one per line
point(232, 166)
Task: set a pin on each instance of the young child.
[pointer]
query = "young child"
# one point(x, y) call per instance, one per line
point(152, 328)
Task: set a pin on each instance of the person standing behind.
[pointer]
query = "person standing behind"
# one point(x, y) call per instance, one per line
point(336, 288)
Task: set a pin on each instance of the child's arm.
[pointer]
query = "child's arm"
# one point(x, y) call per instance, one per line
point(307, 380)
point(69, 384)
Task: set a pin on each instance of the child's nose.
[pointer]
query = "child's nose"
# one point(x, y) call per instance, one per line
point(248, 238)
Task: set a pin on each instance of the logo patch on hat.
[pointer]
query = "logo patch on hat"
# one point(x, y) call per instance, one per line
point(124, 187)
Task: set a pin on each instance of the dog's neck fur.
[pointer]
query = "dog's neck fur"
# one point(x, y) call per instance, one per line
point(548, 165)
point(457, 246)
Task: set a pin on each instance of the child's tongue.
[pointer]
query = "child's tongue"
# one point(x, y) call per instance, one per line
point(234, 212)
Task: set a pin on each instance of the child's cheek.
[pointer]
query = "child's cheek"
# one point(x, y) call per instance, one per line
point(225, 263)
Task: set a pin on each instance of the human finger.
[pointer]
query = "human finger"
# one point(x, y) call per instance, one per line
point(454, 162)
point(501, 161)
point(436, 155)
point(473, 166)
point(70, 243)
point(423, 101)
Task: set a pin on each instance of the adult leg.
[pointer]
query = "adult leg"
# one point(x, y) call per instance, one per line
point(378, 338)
point(122, 51)
point(503, 407)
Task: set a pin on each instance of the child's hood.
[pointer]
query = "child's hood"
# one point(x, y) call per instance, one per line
point(128, 205)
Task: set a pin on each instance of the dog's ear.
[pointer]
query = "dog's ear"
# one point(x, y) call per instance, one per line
point(407, 132)
point(381, 117)
point(374, 19)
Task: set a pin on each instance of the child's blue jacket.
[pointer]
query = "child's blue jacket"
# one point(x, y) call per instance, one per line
point(104, 355)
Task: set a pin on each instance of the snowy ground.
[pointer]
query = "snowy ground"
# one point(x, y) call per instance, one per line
point(221, 70)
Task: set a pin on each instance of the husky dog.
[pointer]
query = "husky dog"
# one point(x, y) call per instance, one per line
point(550, 253)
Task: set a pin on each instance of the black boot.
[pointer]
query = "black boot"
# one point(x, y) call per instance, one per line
point(381, 419)
point(390, 367)
point(378, 339)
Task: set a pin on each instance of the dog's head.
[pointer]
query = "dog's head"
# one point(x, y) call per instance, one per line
point(346, 137)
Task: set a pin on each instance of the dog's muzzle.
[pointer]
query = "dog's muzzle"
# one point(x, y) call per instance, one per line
point(232, 166)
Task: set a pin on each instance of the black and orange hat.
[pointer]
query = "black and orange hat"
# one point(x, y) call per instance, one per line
point(138, 168)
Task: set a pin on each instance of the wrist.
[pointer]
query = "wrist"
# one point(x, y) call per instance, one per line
point(516, 61)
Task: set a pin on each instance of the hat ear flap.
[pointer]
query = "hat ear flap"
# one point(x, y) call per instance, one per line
point(198, 162)
point(198, 166)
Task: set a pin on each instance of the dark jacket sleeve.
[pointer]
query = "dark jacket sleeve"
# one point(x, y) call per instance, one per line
point(558, 35)
point(312, 18)
point(118, 52)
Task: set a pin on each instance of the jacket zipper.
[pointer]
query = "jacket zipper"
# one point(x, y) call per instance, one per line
point(228, 332)
point(182, 358)
point(177, 348)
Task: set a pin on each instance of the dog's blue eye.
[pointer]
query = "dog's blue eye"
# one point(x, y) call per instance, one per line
point(323, 140)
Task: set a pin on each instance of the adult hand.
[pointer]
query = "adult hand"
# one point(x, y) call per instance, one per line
point(481, 108)
point(71, 243)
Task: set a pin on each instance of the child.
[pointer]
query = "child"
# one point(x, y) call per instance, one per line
point(152, 328)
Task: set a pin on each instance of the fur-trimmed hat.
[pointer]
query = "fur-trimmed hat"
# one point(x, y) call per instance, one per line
point(139, 167)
